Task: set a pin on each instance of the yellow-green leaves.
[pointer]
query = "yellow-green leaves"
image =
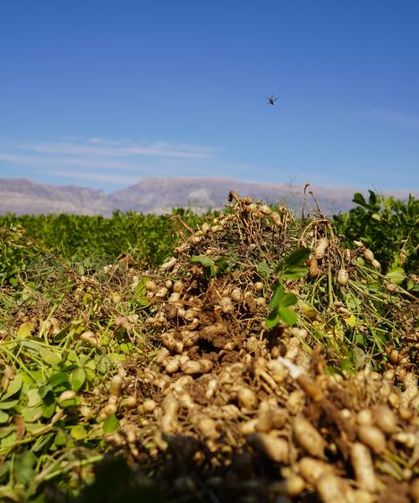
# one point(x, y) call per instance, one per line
point(110, 425)
point(14, 386)
point(77, 378)
point(49, 356)
point(25, 330)
point(396, 275)
point(78, 432)
point(141, 291)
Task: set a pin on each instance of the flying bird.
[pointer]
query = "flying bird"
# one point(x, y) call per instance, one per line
point(270, 100)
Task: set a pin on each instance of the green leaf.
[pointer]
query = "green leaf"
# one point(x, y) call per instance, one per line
point(272, 320)
point(60, 438)
point(24, 467)
point(77, 379)
point(51, 357)
point(141, 292)
point(412, 285)
point(224, 264)
point(396, 275)
point(34, 398)
point(360, 339)
point(78, 432)
point(346, 364)
point(7, 445)
point(288, 299)
point(4, 418)
point(263, 269)
point(25, 330)
point(276, 297)
point(71, 402)
point(358, 357)
point(110, 425)
point(103, 364)
point(48, 401)
point(203, 260)
point(4, 470)
point(31, 414)
point(58, 378)
point(280, 298)
point(350, 320)
point(372, 199)
point(14, 386)
point(8, 405)
point(45, 390)
point(359, 199)
point(48, 408)
point(288, 316)
point(7, 430)
point(294, 267)
point(280, 310)
point(309, 311)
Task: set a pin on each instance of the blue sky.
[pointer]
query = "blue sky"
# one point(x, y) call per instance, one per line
point(102, 93)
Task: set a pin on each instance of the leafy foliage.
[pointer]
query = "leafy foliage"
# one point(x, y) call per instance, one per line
point(40, 419)
point(292, 268)
point(388, 226)
point(280, 305)
point(18, 253)
point(90, 240)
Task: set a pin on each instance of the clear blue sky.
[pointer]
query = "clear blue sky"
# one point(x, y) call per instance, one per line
point(102, 93)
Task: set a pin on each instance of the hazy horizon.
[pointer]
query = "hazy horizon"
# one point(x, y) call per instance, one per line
point(347, 190)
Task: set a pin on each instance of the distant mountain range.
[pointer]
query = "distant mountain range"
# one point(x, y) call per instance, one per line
point(160, 195)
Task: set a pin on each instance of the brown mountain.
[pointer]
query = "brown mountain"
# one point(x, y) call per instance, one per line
point(21, 196)
point(160, 195)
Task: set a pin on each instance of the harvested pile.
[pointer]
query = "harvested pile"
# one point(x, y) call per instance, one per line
point(287, 369)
